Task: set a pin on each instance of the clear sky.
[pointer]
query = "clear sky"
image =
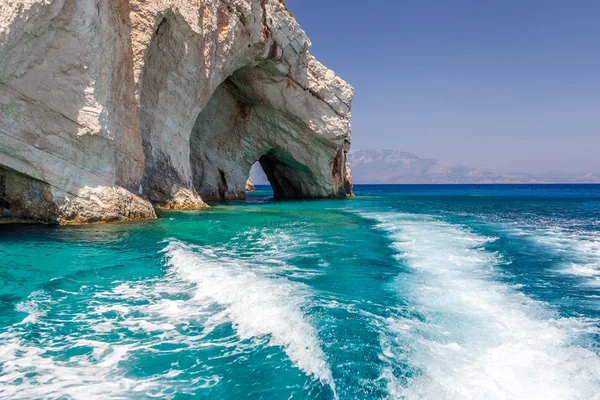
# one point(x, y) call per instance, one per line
point(508, 84)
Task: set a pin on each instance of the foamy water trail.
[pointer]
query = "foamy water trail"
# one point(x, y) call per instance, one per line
point(111, 328)
point(579, 248)
point(256, 305)
point(28, 369)
point(468, 336)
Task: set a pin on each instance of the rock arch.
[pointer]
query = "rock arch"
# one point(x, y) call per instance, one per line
point(260, 114)
point(259, 95)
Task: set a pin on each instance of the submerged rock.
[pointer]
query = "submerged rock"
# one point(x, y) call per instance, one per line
point(108, 107)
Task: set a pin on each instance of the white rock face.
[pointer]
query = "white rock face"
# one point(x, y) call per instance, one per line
point(133, 102)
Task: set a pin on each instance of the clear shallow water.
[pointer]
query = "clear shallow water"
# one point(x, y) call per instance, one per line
point(417, 292)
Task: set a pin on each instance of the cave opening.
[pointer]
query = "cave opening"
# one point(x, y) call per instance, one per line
point(259, 178)
point(24, 198)
point(240, 132)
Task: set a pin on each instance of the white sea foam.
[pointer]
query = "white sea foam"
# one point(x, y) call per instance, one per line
point(33, 356)
point(275, 247)
point(29, 373)
point(579, 248)
point(256, 305)
point(469, 336)
point(204, 287)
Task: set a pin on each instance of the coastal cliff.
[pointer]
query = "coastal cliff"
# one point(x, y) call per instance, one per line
point(111, 107)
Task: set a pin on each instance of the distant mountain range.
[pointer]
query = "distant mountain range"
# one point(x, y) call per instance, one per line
point(391, 166)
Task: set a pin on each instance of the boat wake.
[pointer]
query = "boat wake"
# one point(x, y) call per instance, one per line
point(257, 306)
point(84, 344)
point(578, 248)
point(466, 335)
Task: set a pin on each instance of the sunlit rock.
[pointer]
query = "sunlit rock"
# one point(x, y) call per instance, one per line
point(113, 106)
point(250, 186)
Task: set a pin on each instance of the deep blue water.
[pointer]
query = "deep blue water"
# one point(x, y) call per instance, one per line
point(417, 292)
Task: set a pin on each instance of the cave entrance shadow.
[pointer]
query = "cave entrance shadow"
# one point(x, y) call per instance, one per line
point(240, 127)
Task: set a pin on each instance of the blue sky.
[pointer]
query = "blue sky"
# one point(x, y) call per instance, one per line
point(506, 84)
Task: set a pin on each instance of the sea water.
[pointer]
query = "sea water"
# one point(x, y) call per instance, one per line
point(413, 292)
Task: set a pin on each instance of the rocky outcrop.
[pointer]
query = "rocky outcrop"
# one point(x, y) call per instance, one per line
point(108, 107)
point(104, 204)
point(250, 186)
point(184, 199)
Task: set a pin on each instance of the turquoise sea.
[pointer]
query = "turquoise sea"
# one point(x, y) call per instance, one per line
point(416, 292)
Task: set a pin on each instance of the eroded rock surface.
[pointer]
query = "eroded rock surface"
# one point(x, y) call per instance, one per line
point(184, 199)
point(111, 106)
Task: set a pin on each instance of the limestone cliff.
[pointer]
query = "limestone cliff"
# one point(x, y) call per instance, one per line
point(108, 107)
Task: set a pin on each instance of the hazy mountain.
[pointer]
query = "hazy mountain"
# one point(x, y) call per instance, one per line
point(390, 166)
